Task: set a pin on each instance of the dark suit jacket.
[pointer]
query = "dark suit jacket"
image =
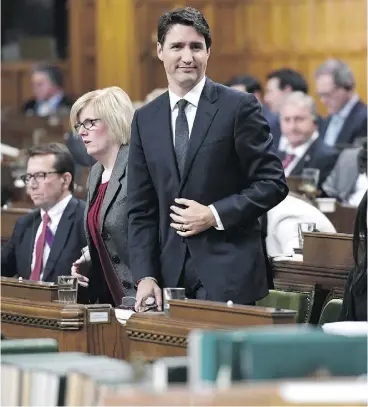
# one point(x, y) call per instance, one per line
point(16, 255)
point(30, 105)
point(320, 156)
point(113, 225)
point(354, 128)
point(229, 164)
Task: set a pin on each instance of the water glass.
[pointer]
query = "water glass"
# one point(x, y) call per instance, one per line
point(310, 179)
point(67, 289)
point(172, 294)
point(304, 227)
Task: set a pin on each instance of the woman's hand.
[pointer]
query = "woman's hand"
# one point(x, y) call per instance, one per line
point(80, 266)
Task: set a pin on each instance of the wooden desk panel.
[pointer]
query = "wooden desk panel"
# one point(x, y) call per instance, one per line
point(71, 325)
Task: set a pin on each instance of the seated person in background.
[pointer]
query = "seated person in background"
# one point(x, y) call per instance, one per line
point(348, 180)
point(279, 85)
point(49, 98)
point(354, 306)
point(347, 120)
point(46, 241)
point(250, 84)
point(300, 146)
point(282, 224)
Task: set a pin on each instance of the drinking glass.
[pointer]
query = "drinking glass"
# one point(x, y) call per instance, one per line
point(304, 227)
point(172, 294)
point(67, 289)
point(309, 184)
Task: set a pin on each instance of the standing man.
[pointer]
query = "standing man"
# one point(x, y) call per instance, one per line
point(201, 173)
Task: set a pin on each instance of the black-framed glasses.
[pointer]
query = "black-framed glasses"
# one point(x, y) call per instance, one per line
point(87, 124)
point(37, 176)
point(128, 303)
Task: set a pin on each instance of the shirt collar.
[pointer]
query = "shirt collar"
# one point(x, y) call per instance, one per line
point(57, 209)
point(192, 96)
point(345, 111)
point(299, 151)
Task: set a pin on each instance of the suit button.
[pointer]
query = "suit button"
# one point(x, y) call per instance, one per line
point(127, 285)
point(104, 236)
point(115, 259)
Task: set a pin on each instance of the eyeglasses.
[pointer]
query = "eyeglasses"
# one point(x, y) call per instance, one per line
point(38, 176)
point(129, 303)
point(87, 124)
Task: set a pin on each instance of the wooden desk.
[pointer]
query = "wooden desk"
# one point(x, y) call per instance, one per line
point(8, 220)
point(80, 328)
point(27, 311)
point(327, 259)
point(269, 393)
point(156, 335)
point(343, 218)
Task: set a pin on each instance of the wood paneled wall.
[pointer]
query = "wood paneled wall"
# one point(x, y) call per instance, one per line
point(257, 36)
point(117, 54)
point(113, 42)
point(16, 82)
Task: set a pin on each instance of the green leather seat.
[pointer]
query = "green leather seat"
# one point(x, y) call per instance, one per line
point(331, 311)
point(285, 298)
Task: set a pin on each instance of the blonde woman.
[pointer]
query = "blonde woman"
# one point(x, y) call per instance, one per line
point(102, 119)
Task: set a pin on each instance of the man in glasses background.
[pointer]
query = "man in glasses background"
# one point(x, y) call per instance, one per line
point(46, 242)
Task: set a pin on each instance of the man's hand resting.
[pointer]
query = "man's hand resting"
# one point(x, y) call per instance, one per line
point(147, 287)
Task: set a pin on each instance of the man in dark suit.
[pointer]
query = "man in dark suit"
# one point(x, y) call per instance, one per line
point(46, 242)
point(300, 145)
point(279, 85)
point(250, 84)
point(49, 97)
point(347, 120)
point(201, 173)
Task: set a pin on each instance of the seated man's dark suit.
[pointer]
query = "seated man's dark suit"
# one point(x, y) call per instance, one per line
point(69, 239)
point(30, 106)
point(318, 155)
point(354, 127)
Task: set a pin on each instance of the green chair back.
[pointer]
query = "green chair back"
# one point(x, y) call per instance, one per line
point(289, 298)
point(331, 311)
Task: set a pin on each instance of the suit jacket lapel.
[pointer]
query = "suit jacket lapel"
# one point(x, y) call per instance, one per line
point(346, 129)
point(60, 238)
point(114, 183)
point(164, 134)
point(206, 111)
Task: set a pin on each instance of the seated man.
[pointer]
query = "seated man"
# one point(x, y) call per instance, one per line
point(46, 242)
point(250, 84)
point(347, 120)
point(282, 224)
point(49, 98)
point(300, 146)
point(348, 180)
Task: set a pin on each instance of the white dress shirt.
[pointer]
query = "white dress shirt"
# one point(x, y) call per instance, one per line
point(55, 214)
point(298, 151)
point(338, 120)
point(192, 97)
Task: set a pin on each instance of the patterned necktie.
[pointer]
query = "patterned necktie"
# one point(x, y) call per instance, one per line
point(44, 237)
point(287, 160)
point(181, 135)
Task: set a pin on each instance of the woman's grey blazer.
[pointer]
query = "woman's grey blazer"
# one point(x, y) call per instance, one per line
point(113, 218)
